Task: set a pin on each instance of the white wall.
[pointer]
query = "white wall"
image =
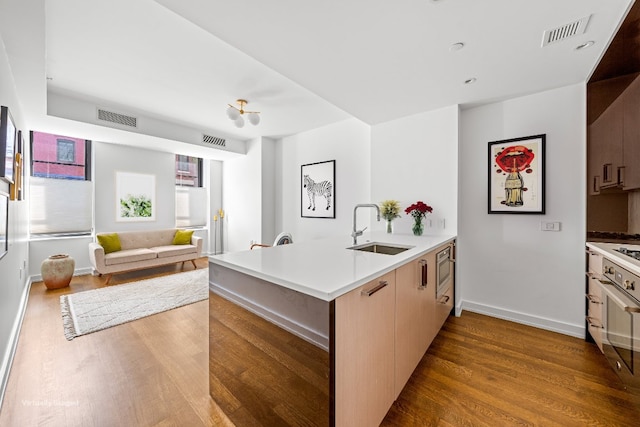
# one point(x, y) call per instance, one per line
point(215, 203)
point(107, 159)
point(110, 158)
point(346, 142)
point(416, 158)
point(242, 199)
point(506, 266)
point(13, 266)
point(269, 190)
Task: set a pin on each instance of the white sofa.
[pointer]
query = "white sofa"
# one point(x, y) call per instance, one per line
point(143, 249)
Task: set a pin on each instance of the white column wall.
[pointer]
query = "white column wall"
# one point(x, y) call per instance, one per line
point(416, 158)
point(346, 142)
point(507, 267)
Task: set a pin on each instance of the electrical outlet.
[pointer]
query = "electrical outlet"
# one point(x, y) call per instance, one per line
point(550, 225)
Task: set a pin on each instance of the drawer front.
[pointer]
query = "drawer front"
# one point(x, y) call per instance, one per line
point(443, 307)
point(595, 261)
point(594, 311)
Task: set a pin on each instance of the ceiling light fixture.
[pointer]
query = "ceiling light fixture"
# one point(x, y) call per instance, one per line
point(585, 45)
point(236, 114)
point(456, 46)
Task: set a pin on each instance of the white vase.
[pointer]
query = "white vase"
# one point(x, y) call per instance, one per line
point(57, 271)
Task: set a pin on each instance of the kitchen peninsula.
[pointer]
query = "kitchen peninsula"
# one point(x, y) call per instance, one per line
point(320, 332)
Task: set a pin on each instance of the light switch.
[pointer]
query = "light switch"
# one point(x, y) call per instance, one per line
point(550, 225)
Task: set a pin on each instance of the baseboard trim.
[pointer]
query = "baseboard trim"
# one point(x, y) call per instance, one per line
point(77, 272)
point(7, 359)
point(577, 331)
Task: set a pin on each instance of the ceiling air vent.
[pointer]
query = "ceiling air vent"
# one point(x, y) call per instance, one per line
point(120, 119)
point(214, 140)
point(565, 31)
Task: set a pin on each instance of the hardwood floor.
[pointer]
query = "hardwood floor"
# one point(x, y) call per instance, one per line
point(479, 371)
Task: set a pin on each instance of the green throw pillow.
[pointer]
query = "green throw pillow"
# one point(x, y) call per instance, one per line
point(182, 237)
point(110, 242)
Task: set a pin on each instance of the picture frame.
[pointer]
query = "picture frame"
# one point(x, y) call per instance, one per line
point(318, 190)
point(4, 224)
point(516, 175)
point(7, 144)
point(135, 197)
point(15, 192)
point(22, 193)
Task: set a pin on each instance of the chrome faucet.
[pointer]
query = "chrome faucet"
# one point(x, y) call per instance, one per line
point(357, 233)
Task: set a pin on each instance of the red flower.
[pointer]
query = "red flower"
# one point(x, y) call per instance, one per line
point(418, 210)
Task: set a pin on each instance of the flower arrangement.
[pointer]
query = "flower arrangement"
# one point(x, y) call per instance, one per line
point(390, 210)
point(418, 211)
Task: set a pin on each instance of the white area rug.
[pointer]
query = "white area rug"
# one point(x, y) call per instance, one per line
point(91, 311)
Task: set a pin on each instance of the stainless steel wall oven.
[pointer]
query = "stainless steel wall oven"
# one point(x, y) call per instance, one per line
point(621, 318)
point(444, 271)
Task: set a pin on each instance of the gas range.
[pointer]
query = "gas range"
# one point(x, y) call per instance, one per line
point(633, 253)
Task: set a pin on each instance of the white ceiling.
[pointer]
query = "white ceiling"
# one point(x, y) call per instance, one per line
point(305, 64)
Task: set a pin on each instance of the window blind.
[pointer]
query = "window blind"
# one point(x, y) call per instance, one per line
point(191, 206)
point(60, 206)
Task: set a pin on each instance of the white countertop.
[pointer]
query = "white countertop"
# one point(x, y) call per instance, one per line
point(608, 251)
point(325, 268)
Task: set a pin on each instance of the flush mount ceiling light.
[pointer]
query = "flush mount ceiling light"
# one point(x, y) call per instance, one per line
point(236, 114)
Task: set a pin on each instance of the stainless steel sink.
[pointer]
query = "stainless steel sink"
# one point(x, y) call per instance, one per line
point(381, 248)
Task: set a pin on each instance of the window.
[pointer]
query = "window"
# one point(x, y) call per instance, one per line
point(191, 197)
point(61, 189)
point(61, 157)
point(188, 171)
point(66, 151)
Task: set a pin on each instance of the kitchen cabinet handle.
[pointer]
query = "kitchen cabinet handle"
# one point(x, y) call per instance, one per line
point(444, 299)
point(602, 281)
point(621, 175)
point(424, 280)
point(376, 288)
point(593, 298)
point(591, 323)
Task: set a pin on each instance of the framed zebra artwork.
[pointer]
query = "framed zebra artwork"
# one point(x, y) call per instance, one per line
point(318, 190)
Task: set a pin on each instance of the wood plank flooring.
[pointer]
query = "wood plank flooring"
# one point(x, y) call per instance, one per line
point(479, 371)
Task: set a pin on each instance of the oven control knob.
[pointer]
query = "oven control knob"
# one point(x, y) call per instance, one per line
point(628, 285)
point(609, 270)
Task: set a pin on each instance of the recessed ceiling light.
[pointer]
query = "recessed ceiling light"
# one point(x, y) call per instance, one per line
point(470, 81)
point(456, 46)
point(585, 45)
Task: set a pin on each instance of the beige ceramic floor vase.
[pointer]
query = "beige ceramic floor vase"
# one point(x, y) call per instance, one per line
point(57, 271)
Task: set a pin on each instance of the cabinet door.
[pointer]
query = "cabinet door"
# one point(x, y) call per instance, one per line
point(415, 325)
point(595, 139)
point(364, 353)
point(609, 142)
point(631, 150)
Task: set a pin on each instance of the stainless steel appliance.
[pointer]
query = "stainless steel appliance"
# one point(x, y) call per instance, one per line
point(621, 318)
point(444, 271)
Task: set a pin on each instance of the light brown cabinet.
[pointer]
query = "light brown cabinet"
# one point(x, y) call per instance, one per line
point(631, 144)
point(364, 356)
point(381, 332)
point(594, 298)
point(415, 321)
point(613, 151)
